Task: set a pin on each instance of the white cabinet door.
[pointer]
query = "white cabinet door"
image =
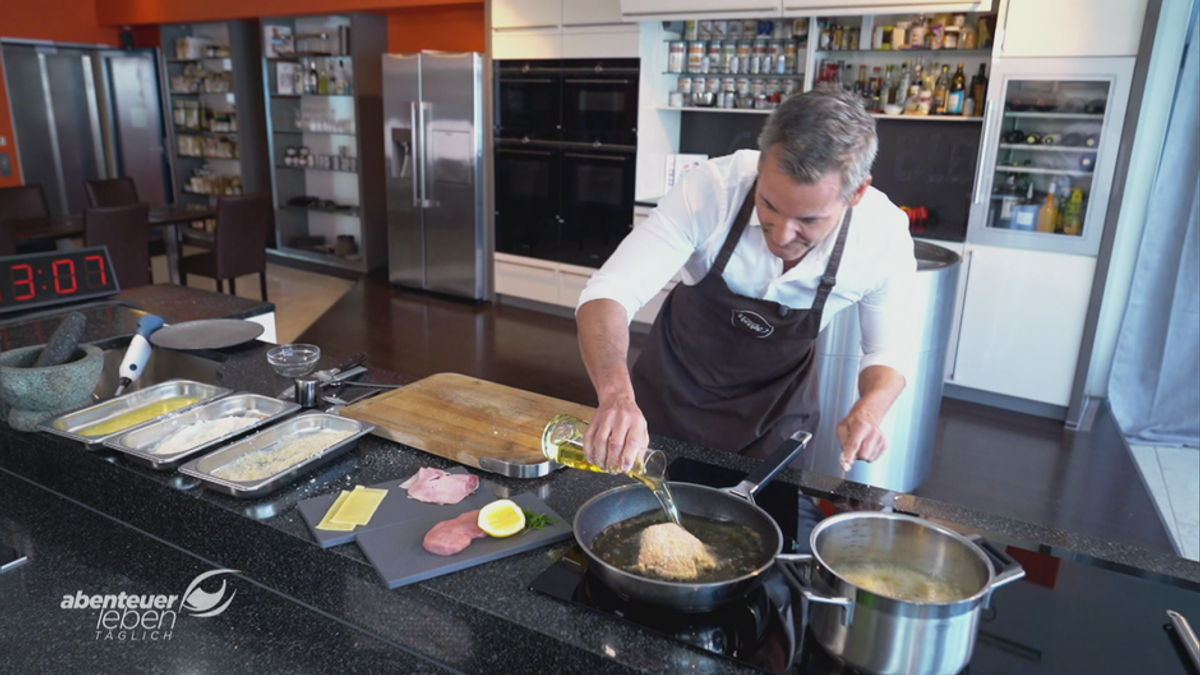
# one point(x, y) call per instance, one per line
point(594, 43)
point(885, 6)
point(545, 43)
point(532, 281)
point(1073, 28)
point(526, 13)
point(590, 12)
point(648, 10)
point(1022, 322)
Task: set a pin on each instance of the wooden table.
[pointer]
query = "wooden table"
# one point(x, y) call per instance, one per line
point(61, 228)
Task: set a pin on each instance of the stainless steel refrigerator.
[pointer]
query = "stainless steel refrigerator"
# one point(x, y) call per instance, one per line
point(438, 239)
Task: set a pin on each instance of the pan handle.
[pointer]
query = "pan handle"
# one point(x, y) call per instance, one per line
point(771, 466)
point(810, 593)
point(1007, 569)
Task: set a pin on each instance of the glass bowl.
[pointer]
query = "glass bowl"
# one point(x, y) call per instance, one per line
point(294, 360)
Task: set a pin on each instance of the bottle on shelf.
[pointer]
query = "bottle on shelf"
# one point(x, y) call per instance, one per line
point(1072, 140)
point(1072, 216)
point(888, 95)
point(1048, 213)
point(941, 92)
point(958, 86)
point(323, 80)
point(1051, 139)
point(979, 84)
point(905, 83)
point(1091, 140)
point(861, 87)
point(344, 78)
point(1087, 162)
point(875, 89)
point(1033, 138)
point(313, 82)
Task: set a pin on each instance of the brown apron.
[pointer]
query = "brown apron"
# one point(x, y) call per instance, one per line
point(730, 372)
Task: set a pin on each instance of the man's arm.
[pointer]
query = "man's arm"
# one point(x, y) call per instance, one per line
point(859, 432)
point(617, 435)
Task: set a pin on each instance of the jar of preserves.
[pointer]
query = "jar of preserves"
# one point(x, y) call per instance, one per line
point(695, 62)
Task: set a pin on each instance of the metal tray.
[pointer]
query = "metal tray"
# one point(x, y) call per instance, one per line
point(139, 444)
point(70, 424)
point(203, 467)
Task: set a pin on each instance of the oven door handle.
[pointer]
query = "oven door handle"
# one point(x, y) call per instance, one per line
point(525, 80)
point(540, 153)
point(594, 81)
point(608, 158)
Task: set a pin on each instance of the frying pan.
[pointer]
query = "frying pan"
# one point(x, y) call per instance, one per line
point(735, 504)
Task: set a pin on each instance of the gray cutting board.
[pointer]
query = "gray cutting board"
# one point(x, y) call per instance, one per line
point(400, 559)
point(395, 508)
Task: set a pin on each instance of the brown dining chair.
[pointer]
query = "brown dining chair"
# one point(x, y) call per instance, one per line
point(111, 192)
point(125, 231)
point(243, 222)
point(23, 201)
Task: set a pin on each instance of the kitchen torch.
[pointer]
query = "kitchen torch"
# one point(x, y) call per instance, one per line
point(138, 352)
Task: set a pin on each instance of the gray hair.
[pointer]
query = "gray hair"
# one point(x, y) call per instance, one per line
point(826, 129)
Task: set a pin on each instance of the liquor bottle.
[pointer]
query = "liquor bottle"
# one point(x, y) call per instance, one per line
point(875, 88)
point(1073, 213)
point(846, 72)
point(313, 81)
point(1048, 213)
point(905, 83)
point(1051, 139)
point(1091, 141)
point(323, 81)
point(335, 80)
point(1087, 162)
point(979, 84)
point(958, 86)
point(888, 95)
point(941, 92)
point(1033, 138)
point(1014, 137)
point(863, 87)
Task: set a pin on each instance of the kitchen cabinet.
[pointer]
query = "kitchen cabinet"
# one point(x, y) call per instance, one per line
point(526, 13)
point(1072, 28)
point(543, 43)
point(799, 7)
point(1021, 322)
point(591, 12)
point(600, 42)
point(666, 10)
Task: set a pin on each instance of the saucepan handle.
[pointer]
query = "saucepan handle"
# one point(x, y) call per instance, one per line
point(771, 466)
point(799, 580)
point(1007, 569)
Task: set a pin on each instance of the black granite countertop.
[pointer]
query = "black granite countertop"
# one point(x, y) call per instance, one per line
point(176, 304)
point(479, 620)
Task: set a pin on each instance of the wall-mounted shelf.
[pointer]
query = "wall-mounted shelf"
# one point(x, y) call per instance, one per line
point(1056, 116)
point(1046, 172)
point(1046, 148)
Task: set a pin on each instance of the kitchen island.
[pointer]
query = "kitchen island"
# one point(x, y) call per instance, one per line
point(94, 523)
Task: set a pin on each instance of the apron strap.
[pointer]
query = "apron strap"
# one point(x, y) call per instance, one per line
point(829, 278)
point(735, 233)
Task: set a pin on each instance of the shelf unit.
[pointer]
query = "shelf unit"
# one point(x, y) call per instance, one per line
point(292, 110)
point(248, 170)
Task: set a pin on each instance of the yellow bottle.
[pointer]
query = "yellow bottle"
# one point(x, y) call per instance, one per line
point(1048, 214)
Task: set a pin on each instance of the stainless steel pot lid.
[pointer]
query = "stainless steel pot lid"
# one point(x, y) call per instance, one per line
point(206, 334)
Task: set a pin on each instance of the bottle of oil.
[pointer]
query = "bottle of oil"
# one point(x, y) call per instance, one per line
point(1048, 213)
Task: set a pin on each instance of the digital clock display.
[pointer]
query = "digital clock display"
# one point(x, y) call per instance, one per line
point(41, 279)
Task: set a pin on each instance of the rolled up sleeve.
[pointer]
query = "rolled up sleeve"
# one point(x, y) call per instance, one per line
point(890, 335)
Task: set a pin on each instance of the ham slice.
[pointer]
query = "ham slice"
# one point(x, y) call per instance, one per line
point(454, 536)
point(439, 487)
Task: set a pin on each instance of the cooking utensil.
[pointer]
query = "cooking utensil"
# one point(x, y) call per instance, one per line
point(347, 369)
point(206, 334)
point(735, 504)
point(883, 635)
point(70, 424)
point(138, 352)
point(1183, 630)
point(471, 421)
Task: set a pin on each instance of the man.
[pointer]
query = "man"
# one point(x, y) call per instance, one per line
point(771, 244)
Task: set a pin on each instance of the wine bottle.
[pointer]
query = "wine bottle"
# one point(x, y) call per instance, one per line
point(1048, 213)
point(1033, 138)
point(1091, 141)
point(1072, 140)
point(1087, 162)
point(1051, 139)
point(958, 86)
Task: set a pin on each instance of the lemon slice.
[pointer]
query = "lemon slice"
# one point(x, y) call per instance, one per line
point(502, 518)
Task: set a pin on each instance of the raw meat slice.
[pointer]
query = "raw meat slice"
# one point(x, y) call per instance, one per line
point(454, 536)
point(439, 487)
point(671, 552)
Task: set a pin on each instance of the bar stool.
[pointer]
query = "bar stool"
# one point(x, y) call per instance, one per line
point(18, 203)
point(243, 222)
point(125, 231)
point(111, 192)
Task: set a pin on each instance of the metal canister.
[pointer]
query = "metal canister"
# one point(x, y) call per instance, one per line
point(675, 99)
point(695, 60)
point(756, 87)
point(728, 84)
point(742, 86)
point(790, 85)
point(729, 56)
point(690, 29)
point(704, 31)
point(685, 85)
point(772, 87)
point(676, 56)
point(749, 29)
point(714, 56)
point(743, 56)
point(712, 85)
point(728, 99)
point(789, 57)
point(719, 30)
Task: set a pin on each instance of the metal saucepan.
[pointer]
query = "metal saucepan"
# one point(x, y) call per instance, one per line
point(734, 504)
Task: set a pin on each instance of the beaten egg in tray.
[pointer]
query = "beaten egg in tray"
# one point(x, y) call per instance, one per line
point(95, 424)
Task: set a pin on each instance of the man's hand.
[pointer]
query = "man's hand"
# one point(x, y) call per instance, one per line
point(861, 438)
point(617, 436)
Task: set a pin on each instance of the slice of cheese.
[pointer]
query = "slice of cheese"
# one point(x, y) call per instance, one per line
point(327, 522)
point(359, 506)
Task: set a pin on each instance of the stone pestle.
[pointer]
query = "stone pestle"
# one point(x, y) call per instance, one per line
point(64, 342)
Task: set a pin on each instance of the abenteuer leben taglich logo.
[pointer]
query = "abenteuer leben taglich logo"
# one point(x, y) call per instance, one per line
point(125, 617)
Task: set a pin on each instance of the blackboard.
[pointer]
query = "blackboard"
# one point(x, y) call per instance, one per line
point(925, 162)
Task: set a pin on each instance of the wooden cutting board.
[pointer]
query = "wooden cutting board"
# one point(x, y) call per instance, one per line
point(465, 419)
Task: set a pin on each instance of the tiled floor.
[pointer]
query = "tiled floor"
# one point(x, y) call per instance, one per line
point(1173, 478)
point(300, 297)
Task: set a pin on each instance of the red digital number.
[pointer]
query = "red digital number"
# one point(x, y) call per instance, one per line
point(28, 281)
point(98, 270)
point(58, 287)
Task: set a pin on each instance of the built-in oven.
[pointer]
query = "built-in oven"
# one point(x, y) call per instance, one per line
point(528, 99)
point(600, 96)
point(597, 200)
point(528, 198)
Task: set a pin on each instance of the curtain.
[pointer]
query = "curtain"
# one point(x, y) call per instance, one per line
point(1154, 388)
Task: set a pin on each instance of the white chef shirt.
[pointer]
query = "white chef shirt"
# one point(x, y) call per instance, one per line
point(685, 233)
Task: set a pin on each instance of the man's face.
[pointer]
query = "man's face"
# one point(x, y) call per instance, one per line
point(797, 216)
